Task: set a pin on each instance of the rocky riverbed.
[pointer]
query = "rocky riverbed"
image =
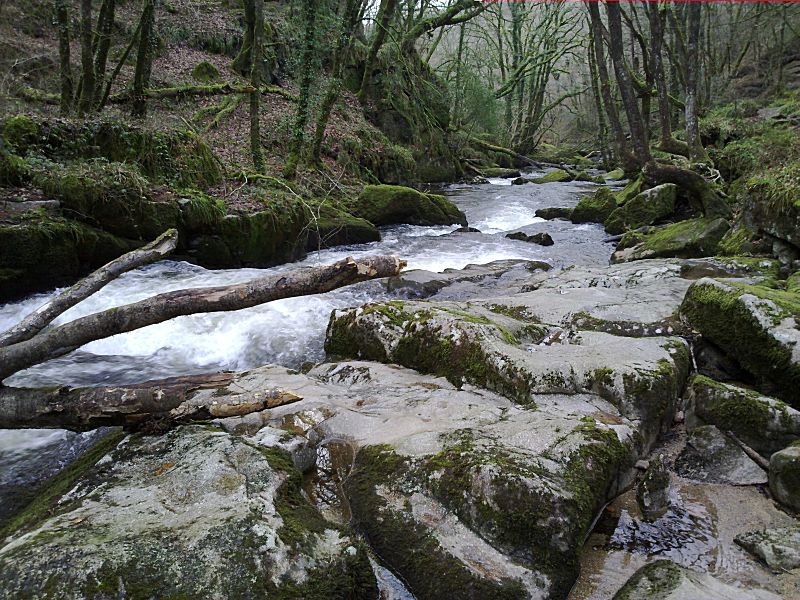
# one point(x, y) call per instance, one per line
point(487, 443)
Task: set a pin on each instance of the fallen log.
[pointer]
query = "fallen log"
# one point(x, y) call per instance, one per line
point(165, 402)
point(507, 151)
point(63, 339)
point(45, 314)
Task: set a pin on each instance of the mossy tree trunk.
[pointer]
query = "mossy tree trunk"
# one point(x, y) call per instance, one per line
point(144, 59)
point(255, 79)
point(242, 63)
point(692, 68)
point(303, 101)
point(65, 73)
point(87, 59)
point(349, 18)
point(382, 23)
point(602, 125)
point(105, 24)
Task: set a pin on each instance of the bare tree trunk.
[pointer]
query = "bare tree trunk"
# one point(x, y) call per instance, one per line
point(257, 24)
point(47, 313)
point(635, 123)
point(62, 340)
point(87, 59)
point(692, 66)
point(153, 404)
point(668, 143)
point(620, 143)
point(602, 126)
point(144, 58)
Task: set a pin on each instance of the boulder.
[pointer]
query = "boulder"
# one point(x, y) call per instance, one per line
point(712, 457)
point(771, 205)
point(753, 324)
point(225, 513)
point(520, 181)
point(500, 172)
point(205, 72)
point(763, 423)
point(553, 213)
point(778, 548)
point(553, 176)
point(394, 204)
point(665, 580)
point(466, 230)
point(542, 238)
point(784, 476)
point(687, 239)
point(652, 491)
point(615, 175)
point(332, 226)
point(646, 208)
point(595, 208)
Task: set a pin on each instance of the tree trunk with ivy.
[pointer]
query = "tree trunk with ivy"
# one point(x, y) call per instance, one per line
point(306, 77)
point(144, 59)
point(382, 23)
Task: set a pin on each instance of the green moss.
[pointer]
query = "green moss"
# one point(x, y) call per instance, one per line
point(739, 411)
point(520, 313)
point(595, 208)
point(718, 313)
point(20, 132)
point(646, 208)
point(45, 501)
point(205, 72)
point(631, 190)
point(554, 176)
point(687, 239)
point(199, 211)
point(615, 175)
point(654, 581)
point(393, 204)
point(14, 170)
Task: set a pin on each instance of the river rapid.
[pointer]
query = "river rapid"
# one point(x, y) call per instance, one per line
point(291, 332)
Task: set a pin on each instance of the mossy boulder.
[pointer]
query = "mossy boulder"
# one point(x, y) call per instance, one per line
point(665, 580)
point(631, 190)
point(615, 175)
point(755, 325)
point(499, 172)
point(553, 176)
point(772, 203)
point(763, 423)
point(554, 213)
point(14, 170)
point(693, 238)
point(739, 241)
point(176, 157)
point(331, 226)
point(394, 204)
point(112, 196)
point(261, 239)
point(205, 72)
point(199, 212)
point(646, 208)
point(39, 252)
point(595, 208)
point(227, 514)
point(784, 476)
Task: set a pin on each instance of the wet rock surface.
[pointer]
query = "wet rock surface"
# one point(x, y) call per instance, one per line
point(713, 457)
point(779, 548)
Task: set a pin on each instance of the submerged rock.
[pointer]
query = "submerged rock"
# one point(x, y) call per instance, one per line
point(755, 325)
point(542, 238)
point(553, 176)
point(395, 204)
point(778, 548)
point(665, 580)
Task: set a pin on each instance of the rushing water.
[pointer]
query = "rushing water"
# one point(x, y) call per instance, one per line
point(291, 331)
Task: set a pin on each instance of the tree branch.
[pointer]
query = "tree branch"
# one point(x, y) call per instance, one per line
point(45, 314)
point(157, 309)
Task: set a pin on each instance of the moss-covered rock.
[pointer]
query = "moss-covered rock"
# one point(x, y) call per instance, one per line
point(200, 213)
point(205, 72)
point(394, 204)
point(772, 203)
point(500, 172)
point(739, 241)
point(262, 239)
point(646, 208)
point(615, 175)
point(39, 252)
point(595, 208)
point(554, 213)
point(631, 190)
point(237, 525)
point(176, 157)
point(554, 176)
point(112, 196)
point(784, 476)
point(331, 226)
point(763, 423)
point(693, 238)
point(753, 324)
